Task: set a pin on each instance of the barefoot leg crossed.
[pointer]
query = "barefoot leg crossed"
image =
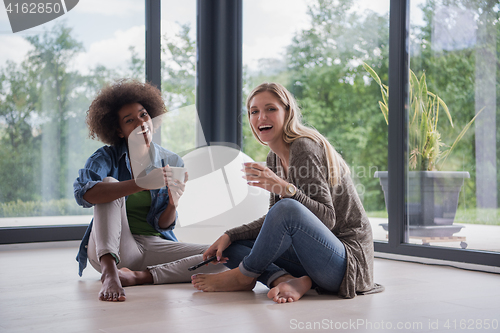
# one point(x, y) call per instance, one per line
point(133, 278)
point(111, 289)
point(289, 289)
point(232, 280)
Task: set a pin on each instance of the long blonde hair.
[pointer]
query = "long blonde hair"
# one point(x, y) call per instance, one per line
point(294, 129)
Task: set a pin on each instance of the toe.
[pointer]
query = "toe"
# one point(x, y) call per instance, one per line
point(273, 294)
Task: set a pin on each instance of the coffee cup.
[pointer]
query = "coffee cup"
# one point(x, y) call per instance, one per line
point(178, 173)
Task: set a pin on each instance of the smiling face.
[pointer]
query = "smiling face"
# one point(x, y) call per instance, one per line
point(132, 116)
point(267, 117)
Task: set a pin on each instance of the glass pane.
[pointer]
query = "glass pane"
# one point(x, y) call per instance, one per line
point(320, 58)
point(49, 75)
point(178, 44)
point(454, 154)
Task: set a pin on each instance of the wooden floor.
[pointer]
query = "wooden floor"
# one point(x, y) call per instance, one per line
point(40, 291)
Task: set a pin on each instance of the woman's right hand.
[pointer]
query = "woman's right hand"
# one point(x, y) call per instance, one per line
point(217, 248)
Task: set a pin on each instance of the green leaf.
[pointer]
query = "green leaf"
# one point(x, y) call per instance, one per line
point(460, 136)
point(424, 129)
point(385, 111)
point(372, 73)
point(423, 94)
point(435, 106)
point(445, 108)
point(385, 94)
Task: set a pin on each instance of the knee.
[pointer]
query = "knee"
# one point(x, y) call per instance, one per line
point(286, 207)
point(285, 211)
point(120, 201)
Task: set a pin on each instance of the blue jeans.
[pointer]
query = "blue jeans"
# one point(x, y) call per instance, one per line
point(292, 241)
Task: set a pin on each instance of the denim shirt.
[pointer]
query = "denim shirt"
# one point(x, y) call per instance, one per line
point(113, 161)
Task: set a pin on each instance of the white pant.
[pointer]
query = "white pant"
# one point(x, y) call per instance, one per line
point(168, 261)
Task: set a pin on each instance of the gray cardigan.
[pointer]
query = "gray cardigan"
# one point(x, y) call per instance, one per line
point(338, 207)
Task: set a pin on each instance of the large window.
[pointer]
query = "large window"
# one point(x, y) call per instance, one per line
point(48, 77)
point(453, 182)
point(320, 59)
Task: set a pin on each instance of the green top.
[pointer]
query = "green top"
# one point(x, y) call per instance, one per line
point(138, 205)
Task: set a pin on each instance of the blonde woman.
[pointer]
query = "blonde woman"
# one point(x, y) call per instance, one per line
point(316, 233)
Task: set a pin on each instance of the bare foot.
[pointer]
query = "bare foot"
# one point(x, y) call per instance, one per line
point(111, 289)
point(291, 290)
point(232, 280)
point(132, 278)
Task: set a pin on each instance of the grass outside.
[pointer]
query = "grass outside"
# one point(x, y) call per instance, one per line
point(485, 216)
point(59, 207)
point(378, 214)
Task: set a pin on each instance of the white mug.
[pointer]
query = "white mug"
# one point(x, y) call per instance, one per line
point(179, 173)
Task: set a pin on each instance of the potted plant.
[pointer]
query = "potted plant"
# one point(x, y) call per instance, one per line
point(432, 194)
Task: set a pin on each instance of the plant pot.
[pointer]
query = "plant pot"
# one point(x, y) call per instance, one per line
point(432, 199)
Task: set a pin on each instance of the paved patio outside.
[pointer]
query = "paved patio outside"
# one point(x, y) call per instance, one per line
point(477, 236)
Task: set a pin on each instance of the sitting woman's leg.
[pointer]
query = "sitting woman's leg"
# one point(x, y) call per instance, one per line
point(319, 251)
point(111, 246)
point(167, 261)
point(236, 251)
point(287, 224)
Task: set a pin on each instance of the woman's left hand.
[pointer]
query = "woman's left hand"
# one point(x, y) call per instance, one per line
point(261, 176)
point(175, 187)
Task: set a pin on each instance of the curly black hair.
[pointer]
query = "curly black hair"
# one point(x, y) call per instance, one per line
point(102, 115)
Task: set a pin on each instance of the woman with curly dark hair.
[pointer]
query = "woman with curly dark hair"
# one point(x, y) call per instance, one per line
point(130, 184)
